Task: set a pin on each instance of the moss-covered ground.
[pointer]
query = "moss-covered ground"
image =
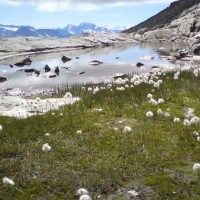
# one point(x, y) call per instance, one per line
point(155, 158)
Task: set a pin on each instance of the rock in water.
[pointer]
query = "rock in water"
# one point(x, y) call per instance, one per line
point(65, 59)
point(26, 61)
point(47, 68)
point(139, 64)
point(2, 79)
point(95, 62)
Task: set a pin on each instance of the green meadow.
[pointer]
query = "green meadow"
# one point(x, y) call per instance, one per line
point(106, 144)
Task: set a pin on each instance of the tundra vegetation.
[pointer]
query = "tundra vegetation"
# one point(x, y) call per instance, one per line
point(119, 137)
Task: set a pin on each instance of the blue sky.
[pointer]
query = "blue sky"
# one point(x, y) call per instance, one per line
point(59, 13)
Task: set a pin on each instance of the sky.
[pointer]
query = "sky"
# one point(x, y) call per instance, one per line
point(60, 13)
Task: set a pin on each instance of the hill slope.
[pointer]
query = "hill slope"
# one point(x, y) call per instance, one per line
point(164, 17)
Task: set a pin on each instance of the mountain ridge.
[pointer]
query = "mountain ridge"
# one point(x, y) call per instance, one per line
point(164, 17)
point(7, 31)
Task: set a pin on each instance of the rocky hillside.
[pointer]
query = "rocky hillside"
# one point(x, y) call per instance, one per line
point(180, 22)
point(165, 17)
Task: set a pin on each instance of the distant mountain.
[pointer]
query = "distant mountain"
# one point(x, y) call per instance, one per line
point(29, 31)
point(164, 17)
point(86, 27)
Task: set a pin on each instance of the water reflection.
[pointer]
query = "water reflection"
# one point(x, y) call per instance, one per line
point(116, 59)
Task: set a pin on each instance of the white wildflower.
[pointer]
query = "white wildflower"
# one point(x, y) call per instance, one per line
point(82, 191)
point(126, 86)
point(195, 134)
point(149, 114)
point(127, 129)
point(167, 114)
point(156, 85)
point(189, 112)
point(47, 134)
point(151, 82)
point(186, 122)
point(67, 95)
point(46, 147)
point(176, 120)
point(149, 96)
point(1, 128)
point(137, 82)
point(79, 132)
point(38, 99)
point(96, 89)
point(159, 111)
point(196, 167)
point(161, 101)
point(8, 181)
point(160, 81)
point(120, 88)
point(153, 102)
point(107, 81)
point(85, 197)
point(98, 109)
point(195, 120)
point(198, 139)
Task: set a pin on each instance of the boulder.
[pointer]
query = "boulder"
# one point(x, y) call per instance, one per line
point(95, 62)
point(137, 37)
point(26, 61)
point(65, 59)
point(3, 79)
point(158, 34)
point(196, 48)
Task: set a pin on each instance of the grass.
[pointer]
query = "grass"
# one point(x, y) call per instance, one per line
point(155, 158)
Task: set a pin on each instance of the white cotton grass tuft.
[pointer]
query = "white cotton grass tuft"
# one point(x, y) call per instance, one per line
point(127, 129)
point(198, 139)
point(1, 128)
point(195, 134)
point(79, 132)
point(189, 112)
point(153, 102)
point(67, 95)
point(161, 101)
point(85, 197)
point(89, 89)
point(167, 114)
point(186, 122)
point(196, 167)
point(47, 134)
point(82, 191)
point(195, 120)
point(176, 120)
point(149, 96)
point(8, 181)
point(46, 147)
point(149, 114)
point(159, 111)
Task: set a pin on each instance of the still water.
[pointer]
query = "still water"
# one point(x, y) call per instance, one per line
point(116, 59)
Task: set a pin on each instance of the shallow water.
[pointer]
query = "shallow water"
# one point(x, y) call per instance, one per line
point(116, 59)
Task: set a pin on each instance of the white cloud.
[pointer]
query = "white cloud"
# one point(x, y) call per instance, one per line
point(79, 5)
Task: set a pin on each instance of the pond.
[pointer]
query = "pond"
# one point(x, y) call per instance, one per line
point(116, 59)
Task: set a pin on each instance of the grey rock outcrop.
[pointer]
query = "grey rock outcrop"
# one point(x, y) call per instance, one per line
point(164, 17)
